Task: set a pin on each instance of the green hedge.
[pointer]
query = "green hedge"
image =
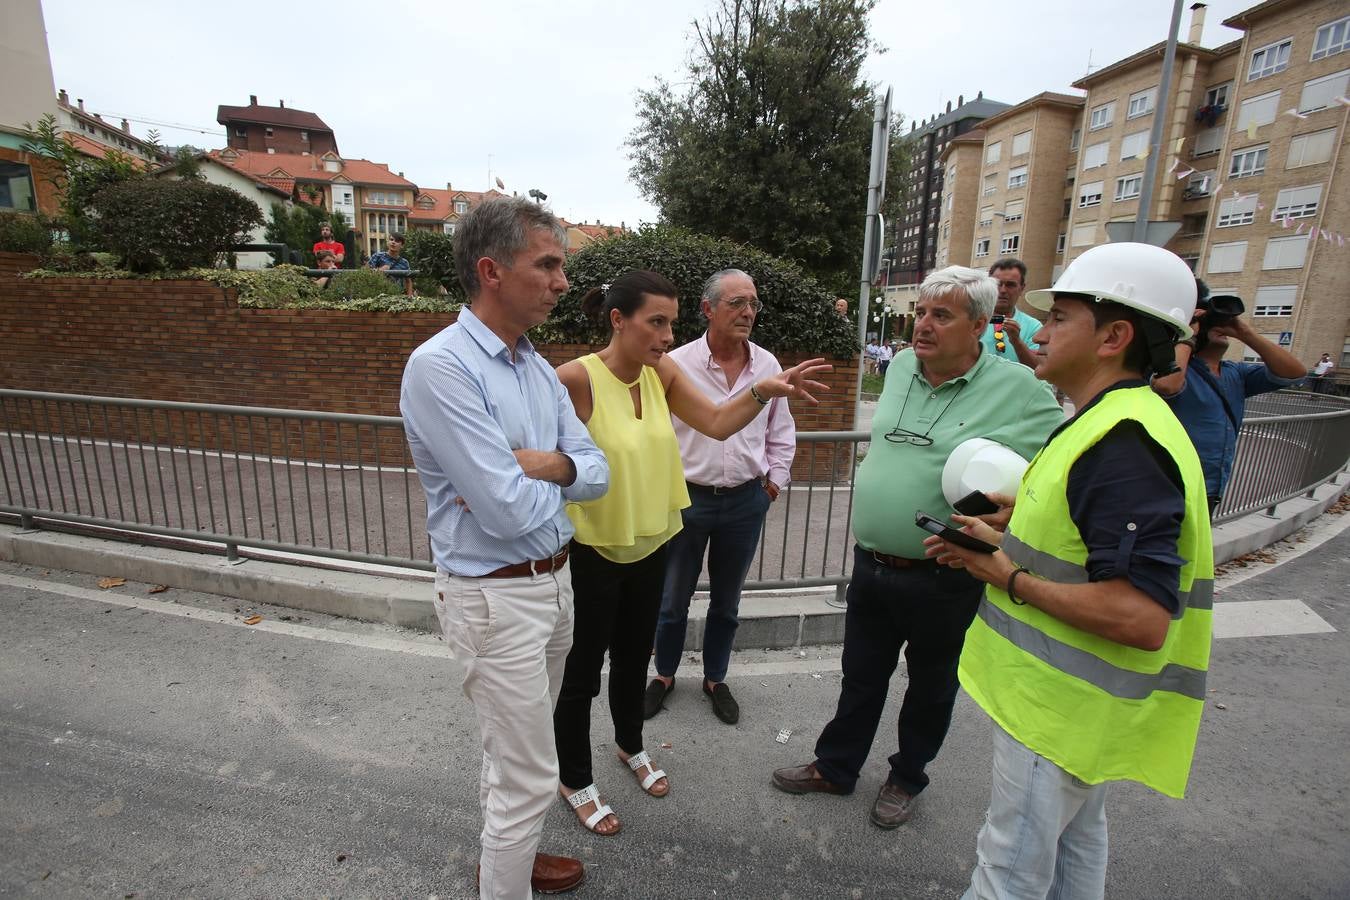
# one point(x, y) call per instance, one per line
point(798, 313)
point(161, 224)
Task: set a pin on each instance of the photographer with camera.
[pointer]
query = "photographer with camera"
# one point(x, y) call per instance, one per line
point(1208, 393)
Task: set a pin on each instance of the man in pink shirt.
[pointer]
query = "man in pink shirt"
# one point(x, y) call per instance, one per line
point(731, 484)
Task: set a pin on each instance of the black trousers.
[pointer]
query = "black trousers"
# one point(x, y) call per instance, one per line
point(925, 609)
point(616, 609)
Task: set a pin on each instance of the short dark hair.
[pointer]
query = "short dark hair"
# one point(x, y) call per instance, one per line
point(397, 236)
point(1010, 262)
point(498, 229)
point(325, 254)
point(627, 294)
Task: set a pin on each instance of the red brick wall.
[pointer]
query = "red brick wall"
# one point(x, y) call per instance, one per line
point(17, 263)
point(189, 341)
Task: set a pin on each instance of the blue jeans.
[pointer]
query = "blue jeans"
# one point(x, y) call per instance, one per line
point(727, 526)
point(1045, 833)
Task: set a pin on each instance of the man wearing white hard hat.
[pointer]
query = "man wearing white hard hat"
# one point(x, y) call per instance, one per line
point(937, 396)
point(1090, 648)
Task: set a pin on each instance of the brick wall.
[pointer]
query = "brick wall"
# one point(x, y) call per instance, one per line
point(16, 263)
point(189, 341)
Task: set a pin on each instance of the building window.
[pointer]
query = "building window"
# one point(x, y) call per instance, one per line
point(304, 135)
point(1207, 142)
point(1200, 184)
point(1227, 257)
point(1311, 149)
point(1236, 211)
point(16, 186)
point(1332, 39)
point(1321, 93)
point(981, 247)
point(239, 130)
point(461, 206)
point(1095, 155)
point(1133, 144)
point(1012, 212)
point(1249, 162)
point(1269, 59)
point(1141, 103)
point(1217, 96)
point(1258, 110)
point(1128, 188)
point(946, 231)
point(1286, 253)
point(1297, 203)
point(1060, 242)
point(1017, 177)
point(1192, 260)
point(990, 183)
point(1102, 116)
point(1009, 243)
point(1075, 138)
point(986, 216)
point(268, 131)
point(1090, 194)
point(1275, 300)
point(1021, 144)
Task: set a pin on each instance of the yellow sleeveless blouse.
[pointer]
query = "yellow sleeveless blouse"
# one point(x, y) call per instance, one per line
point(641, 509)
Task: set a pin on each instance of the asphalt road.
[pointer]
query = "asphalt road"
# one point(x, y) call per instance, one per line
point(152, 745)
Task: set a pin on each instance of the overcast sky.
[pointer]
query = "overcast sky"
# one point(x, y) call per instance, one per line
point(540, 92)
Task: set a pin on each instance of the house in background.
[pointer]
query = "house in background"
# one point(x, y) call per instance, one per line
point(92, 136)
point(439, 210)
point(259, 190)
point(26, 73)
point(275, 129)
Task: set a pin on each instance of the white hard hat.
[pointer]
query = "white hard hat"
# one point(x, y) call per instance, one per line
point(980, 464)
point(1141, 276)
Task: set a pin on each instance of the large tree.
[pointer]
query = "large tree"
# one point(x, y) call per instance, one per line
point(768, 140)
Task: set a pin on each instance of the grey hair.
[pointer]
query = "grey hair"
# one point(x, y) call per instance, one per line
point(981, 291)
point(499, 229)
point(712, 288)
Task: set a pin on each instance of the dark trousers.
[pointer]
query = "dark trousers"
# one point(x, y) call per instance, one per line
point(925, 609)
point(727, 526)
point(616, 607)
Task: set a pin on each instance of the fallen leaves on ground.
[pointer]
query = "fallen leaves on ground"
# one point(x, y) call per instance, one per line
point(108, 582)
point(253, 620)
point(157, 588)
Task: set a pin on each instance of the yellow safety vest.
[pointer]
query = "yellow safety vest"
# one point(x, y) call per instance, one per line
point(1098, 709)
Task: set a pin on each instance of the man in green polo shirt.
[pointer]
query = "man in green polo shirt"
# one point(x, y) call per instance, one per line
point(941, 391)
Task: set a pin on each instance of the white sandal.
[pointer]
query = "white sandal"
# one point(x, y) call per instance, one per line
point(641, 759)
point(591, 794)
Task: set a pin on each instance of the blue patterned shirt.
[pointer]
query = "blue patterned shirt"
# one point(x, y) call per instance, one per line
point(466, 406)
point(381, 258)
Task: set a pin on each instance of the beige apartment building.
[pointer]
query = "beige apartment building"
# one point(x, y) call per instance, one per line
point(1017, 179)
point(1278, 223)
point(961, 160)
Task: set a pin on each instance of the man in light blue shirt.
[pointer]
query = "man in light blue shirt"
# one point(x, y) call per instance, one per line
point(1011, 338)
point(499, 449)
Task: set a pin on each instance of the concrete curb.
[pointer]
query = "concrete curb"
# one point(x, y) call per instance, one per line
point(767, 620)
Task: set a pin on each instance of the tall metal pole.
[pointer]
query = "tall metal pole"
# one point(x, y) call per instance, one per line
point(1140, 233)
point(872, 232)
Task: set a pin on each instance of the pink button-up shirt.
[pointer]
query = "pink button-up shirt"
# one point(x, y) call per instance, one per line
point(765, 447)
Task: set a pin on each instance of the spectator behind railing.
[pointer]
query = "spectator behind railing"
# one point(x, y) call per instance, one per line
point(327, 260)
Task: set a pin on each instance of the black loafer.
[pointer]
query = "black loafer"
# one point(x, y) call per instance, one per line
point(724, 705)
point(655, 696)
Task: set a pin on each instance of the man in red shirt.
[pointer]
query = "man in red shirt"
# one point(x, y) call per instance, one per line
point(326, 242)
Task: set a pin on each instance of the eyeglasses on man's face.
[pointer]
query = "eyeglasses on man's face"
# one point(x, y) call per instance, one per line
point(740, 304)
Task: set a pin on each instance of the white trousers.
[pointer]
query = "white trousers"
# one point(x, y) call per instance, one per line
point(1045, 833)
point(511, 636)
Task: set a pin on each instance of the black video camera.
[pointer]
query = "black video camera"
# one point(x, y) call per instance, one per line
point(1220, 309)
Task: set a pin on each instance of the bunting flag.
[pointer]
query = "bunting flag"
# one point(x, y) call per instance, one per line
point(1142, 154)
point(1343, 101)
point(1182, 176)
point(1260, 205)
point(1340, 240)
point(1284, 223)
point(1312, 232)
point(1326, 237)
point(1175, 162)
point(1299, 229)
point(1295, 113)
point(1251, 131)
point(1204, 185)
point(1180, 142)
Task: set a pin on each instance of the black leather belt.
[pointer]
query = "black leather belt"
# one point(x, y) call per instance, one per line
point(712, 489)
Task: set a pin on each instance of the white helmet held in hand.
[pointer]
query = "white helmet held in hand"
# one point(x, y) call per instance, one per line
point(1149, 279)
point(980, 464)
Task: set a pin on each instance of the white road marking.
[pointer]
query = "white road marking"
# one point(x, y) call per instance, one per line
point(1265, 618)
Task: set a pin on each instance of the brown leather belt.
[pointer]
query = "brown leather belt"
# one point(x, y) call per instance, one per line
point(900, 562)
point(531, 567)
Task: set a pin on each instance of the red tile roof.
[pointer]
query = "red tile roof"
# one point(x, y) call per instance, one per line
point(303, 167)
point(444, 207)
point(271, 115)
point(98, 150)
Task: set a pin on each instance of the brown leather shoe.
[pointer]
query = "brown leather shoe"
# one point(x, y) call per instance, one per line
point(806, 780)
point(893, 808)
point(553, 874)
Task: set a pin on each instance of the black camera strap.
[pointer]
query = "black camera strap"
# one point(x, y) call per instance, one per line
point(1203, 371)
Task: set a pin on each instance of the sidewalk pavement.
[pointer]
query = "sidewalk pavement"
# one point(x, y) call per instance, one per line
point(769, 620)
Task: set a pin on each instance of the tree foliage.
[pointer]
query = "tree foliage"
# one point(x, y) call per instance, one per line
point(154, 223)
point(770, 142)
point(298, 228)
point(798, 313)
point(433, 254)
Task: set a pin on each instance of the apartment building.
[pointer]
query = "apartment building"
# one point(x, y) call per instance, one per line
point(26, 73)
point(913, 245)
point(275, 129)
point(1112, 144)
point(440, 210)
point(1281, 215)
point(91, 135)
point(1018, 181)
point(961, 163)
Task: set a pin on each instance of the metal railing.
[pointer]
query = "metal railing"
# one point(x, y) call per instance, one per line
point(343, 487)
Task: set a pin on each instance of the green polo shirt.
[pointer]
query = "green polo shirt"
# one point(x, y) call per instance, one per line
point(997, 399)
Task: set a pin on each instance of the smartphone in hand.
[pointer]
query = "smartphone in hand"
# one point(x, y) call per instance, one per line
point(975, 504)
point(950, 534)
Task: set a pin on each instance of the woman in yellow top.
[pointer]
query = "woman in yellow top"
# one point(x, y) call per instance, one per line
point(625, 395)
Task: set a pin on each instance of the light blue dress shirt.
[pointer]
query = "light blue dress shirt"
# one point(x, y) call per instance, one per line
point(466, 407)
